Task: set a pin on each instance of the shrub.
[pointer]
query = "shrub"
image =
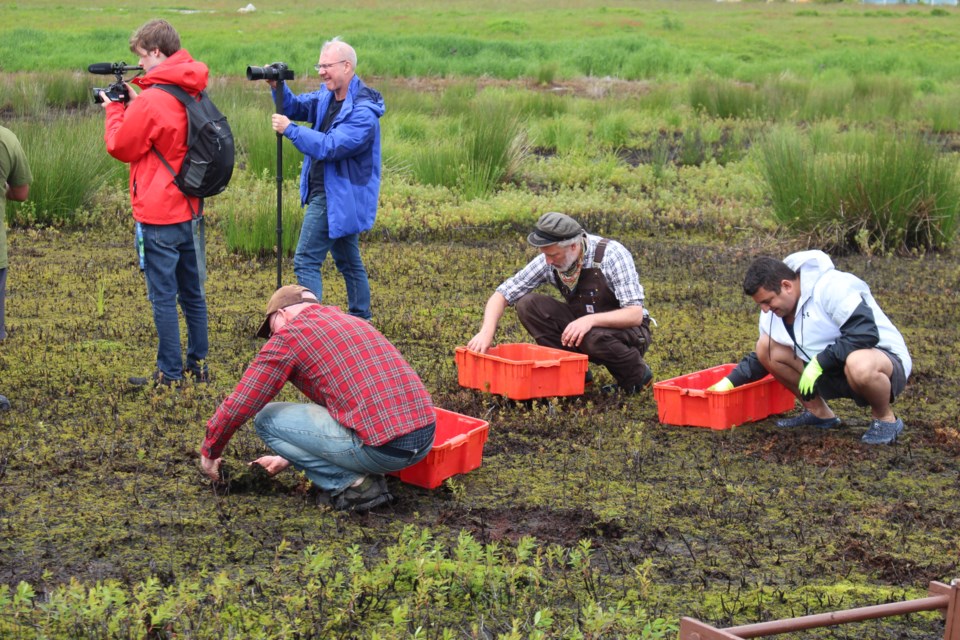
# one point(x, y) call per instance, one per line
point(884, 191)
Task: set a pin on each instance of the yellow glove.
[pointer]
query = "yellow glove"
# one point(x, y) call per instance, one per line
point(808, 379)
point(723, 385)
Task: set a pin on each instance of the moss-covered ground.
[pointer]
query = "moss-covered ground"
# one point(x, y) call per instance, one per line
point(99, 481)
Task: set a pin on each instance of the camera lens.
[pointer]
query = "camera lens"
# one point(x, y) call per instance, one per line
point(261, 73)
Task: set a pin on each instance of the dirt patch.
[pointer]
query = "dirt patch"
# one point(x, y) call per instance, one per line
point(552, 526)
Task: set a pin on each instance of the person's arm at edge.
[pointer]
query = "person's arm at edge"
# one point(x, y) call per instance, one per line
point(261, 382)
point(18, 193)
point(492, 313)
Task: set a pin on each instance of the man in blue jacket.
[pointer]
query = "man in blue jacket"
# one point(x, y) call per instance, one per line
point(340, 180)
point(823, 336)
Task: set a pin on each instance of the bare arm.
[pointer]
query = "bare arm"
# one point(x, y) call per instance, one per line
point(18, 193)
point(492, 313)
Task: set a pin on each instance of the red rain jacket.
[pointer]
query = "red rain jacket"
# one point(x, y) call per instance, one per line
point(156, 119)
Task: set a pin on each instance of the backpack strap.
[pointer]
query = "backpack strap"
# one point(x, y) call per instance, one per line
point(183, 97)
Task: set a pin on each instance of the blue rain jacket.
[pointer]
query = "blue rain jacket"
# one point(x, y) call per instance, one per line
point(350, 152)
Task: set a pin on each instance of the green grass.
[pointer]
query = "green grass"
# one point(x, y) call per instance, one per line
point(530, 38)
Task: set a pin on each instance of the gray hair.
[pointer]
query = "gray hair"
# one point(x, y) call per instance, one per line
point(346, 51)
point(570, 241)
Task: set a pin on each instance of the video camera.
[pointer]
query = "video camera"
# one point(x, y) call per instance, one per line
point(275, 71)
point(116, 92)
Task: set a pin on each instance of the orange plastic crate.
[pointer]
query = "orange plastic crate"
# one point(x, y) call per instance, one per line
point(522, 371)
point(685, 401)
point(457, 448)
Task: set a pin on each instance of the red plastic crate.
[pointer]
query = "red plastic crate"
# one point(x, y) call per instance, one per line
point(457, 448)
point(522, 371)
point(685, 401)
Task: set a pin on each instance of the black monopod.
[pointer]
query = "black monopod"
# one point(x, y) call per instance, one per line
point(279, 72)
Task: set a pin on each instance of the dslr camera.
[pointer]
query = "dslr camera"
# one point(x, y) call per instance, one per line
point(116, 92)
point(275, 71)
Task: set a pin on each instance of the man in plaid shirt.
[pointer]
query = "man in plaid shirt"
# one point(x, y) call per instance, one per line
point(369, 413)
point(601, 314)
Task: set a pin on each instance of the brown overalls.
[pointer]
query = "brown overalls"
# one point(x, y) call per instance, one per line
point(621, 351)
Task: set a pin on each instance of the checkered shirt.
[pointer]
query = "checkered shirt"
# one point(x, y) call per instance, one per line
point(338, 361)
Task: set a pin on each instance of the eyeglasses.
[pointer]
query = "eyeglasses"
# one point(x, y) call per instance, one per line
point(324, 67)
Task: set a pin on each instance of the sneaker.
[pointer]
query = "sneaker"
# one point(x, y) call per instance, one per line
point(881, 432)
point(4, 404)
point(645, 380)
point(156, 379)
point(807, 419)
point(369, 494)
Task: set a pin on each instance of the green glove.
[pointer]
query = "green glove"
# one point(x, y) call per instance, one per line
point(723, 385)
point(808, 379)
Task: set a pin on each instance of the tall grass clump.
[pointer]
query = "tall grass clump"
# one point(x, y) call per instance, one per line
point(563, 133)
point(66, 90)
point(256, 144)
point(490, 148)
point(889, 192)
point(70, 164)
point(723, 98)
point(612, 131)
point(942, 115)
point(249, 222)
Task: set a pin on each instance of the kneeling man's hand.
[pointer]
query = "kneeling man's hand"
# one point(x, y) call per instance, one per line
point(211, 468)
point(808, 379)
point(574, 332)
point(272, 464)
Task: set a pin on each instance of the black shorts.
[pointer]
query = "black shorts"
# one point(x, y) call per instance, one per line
point(832, 385)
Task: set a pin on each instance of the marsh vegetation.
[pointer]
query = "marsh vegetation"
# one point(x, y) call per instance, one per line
point(588, 518)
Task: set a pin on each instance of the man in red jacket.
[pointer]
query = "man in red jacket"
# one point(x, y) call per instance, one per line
point(172, 249)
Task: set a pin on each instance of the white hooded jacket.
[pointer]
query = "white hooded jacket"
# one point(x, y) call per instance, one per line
point(828, 300)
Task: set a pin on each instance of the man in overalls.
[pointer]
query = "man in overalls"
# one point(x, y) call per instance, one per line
point(601, 314)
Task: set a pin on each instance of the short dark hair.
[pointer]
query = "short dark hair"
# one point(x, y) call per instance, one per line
point(768, 273)
point(156, 34)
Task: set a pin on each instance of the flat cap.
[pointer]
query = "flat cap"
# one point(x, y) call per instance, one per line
point(552, 228)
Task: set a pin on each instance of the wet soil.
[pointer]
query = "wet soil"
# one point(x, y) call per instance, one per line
point(99, 480)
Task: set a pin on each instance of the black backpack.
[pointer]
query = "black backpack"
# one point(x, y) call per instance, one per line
point(208, 165)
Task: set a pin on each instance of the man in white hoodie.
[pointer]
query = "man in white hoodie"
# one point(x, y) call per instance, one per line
point(823, 336)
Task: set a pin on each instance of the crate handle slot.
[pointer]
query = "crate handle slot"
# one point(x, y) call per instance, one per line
point(546, 363)
point(457, 440)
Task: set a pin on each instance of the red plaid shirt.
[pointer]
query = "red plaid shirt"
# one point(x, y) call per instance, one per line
point(337, 361)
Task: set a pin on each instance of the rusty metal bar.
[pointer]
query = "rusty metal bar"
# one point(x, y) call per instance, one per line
point(952, 614)
point(941, 597)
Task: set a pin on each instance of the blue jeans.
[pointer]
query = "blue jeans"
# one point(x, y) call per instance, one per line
point(314, 244)
point(332, 456)
point(174, 257)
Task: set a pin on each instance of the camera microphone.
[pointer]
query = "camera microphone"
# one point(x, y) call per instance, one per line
point(108, 68)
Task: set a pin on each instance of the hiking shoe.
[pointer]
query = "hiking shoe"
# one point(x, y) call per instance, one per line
point(881, 432)
point(807, 419)
point(4, 404)
point(156, 379)
point(369, 494)
point(645, 380)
